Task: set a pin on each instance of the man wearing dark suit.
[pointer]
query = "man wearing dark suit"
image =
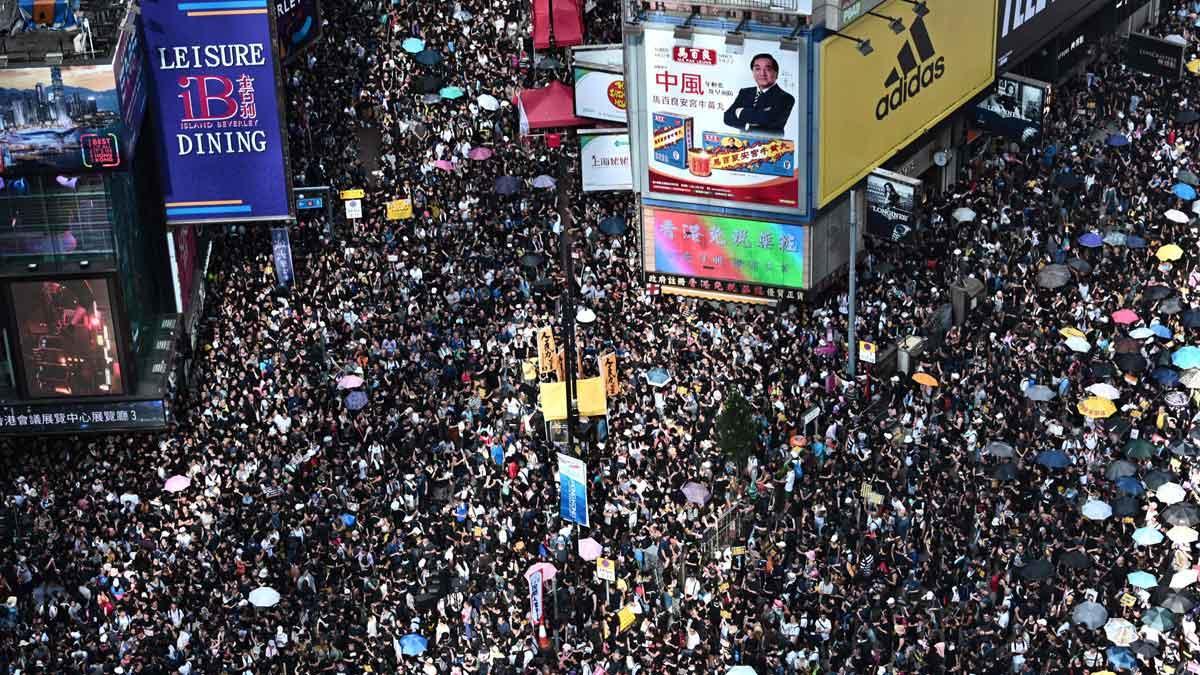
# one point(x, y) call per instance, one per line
point(763, 107)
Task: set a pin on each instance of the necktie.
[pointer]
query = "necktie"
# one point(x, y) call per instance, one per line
point(757, 94)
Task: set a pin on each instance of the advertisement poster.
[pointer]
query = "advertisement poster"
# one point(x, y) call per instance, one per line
point(604, 158)
point(721, 125)
point(911, 81)
point(891, 199)
point(1025, 25)
point(572, 489)
point(67, 337)
point(724, 249)
point(1155, 56)
point(225, 157)
point(600, 95)
point(186, 255)
point(281, 253)
point(1016, 108)
point(298, 24)
point(71, 417)
point(129, 71)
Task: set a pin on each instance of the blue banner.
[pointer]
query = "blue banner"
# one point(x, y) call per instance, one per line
point(281, 251)
point(572, 489)
point(217, 80)
point(299, 26)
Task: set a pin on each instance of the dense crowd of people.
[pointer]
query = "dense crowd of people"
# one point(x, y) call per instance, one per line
point(1002, 519)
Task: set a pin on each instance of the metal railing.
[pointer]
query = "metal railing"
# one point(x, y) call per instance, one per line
point(731, 528)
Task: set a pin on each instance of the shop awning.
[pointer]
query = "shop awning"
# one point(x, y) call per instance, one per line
point(550, 107)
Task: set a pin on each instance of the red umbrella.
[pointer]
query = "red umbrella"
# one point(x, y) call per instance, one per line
point(1124, 316)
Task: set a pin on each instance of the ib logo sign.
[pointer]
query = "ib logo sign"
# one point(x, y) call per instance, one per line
point(913, 72)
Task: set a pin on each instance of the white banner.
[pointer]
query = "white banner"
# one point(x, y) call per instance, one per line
point(535, 597)
point(604, 157)
point(600, 95)
point(353, 209)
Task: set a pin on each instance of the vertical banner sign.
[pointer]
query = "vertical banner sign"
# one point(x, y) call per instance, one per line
point(891, 198)
point(572, 489)
point(216, 90)
point(545, 347)
point(608, 370)
point(281, 252)
point(604, 159)
point(299, 26)
point(560, 365)
point(535, 596)
point(1156, 56)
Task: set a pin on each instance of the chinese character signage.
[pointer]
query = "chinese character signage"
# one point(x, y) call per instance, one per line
point(572, 488)
point(215, 75)
point(891, 198)
point(281, 253)
point(535, 596)
point(71, 417)
point(299, 26)
point(725, 254)
point(719, 125)
point(604, 158)
point(600, 95)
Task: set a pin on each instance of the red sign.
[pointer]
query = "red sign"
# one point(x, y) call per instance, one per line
point(706, 57)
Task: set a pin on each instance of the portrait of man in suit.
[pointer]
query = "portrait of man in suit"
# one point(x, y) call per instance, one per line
point(763, 107)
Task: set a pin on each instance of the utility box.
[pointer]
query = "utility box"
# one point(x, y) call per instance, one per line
point(965, 299)
point(907, 353)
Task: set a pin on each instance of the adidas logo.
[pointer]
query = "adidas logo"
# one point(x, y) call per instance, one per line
point(913, 72)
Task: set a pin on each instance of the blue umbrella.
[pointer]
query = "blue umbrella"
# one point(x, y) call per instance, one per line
point(1130, 486)
point(1167, 377)
point(1141, 579)
point(498, 454)
point(450, 92)
point(357, 400)
point(1118, 141)
point(429, 57)
point(412, 45)
point(613, 225)
point(1134, 241)
point(1091, 240)
point(507, 185)
point(348, 519)
point(1184, 191)
point(1053, 459)
point(1186, 357)
point(413, 645)
point(460, 512)
point(543, 182)
point(1121, 658)
point(1161, 331)
point(1147, 536)
point(657, 377)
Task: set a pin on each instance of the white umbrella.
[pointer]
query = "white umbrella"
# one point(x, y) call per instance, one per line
point(1120, 632)
point(742, 670)
point(1170, 493)
point(1184, 578)
point(1105, 390)
point(177, 483)
point(1079, 345)
point(487, 102)
point(1176, 38)
point(1141, 333)
point(1190, 378)
point(1182, 534)
point(963, 214)
point(1176, 216)
point(264, 596)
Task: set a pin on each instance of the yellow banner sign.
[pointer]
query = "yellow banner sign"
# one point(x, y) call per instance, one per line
point(545, 347)
point(608, 371)
point(356, 193)
point(399, 209)
point(911, 81)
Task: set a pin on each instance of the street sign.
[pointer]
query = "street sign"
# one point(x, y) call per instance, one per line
point(606, 569)
point(356, 193)
point(866, 351)
point(310, 203)
point(810, 415)
point(354, 209)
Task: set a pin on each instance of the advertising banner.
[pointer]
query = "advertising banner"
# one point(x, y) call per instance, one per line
point(186, 255)
point(891, 198)
point(129, 72)
point(1025, 25)
point(281, 254)
point(225, 154)
point(1016, 108)
point(600, 95)
point(298, 24)
point(1155, 56)
point(72, 417)
point(604, 158)
point(572, 490)
point(535, 596)
point(719, 125)
point(910, 82)
point(725, 251)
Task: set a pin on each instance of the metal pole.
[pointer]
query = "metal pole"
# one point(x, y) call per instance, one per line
point(851, 340)
point(568, 300)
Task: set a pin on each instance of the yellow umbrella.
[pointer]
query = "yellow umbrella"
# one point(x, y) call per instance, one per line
point(1072, 332)
point(1096, 407)
point(1169, 252)
point(1193, 66)
point(626, 616)
point(925, 379)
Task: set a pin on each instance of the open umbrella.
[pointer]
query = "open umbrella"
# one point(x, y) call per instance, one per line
point(1126, 506)
point(740, 670)
point(1114, 238)
point(1181, 514)
point(657, 377)
point(1118, 141)
point(1147, 536)
point(1175, 38)
point(1139, 448)
point(1161, 332)
point(1188, 177)
point(1141, 579)
point(1178, 603)
point(1096, 408)
point(487, 102)
point(925, 379)
point(1134, 241)
point(532, 259)
point(1187, 117)
point(1128, 345)
point(1176, 399)
point(1184, 578)
point(1176, 216)
point(479, 153)
point(177, 484)
point(1170, 493)
point(1105, 390)
point(428, 84)
point(357, 400)
point(998, 449)
point(413, 645)
point(1037, 570)
point(1157, 478)
point(1184, 191)
point(1040, 392)
point(412, 45)
point(1053, 276)
point(1053, 459)
point(1182, 534)
point(1080, 265)
point(548, 571)
point(696, 493)
point(264, 596)
point(1119, 469)
point(1120, 658)
point(1186, 357)
point(1076, 560)
point(1157, 292)
point(1091, 240)
point(590, 549)
point(1089, 614)
point(450, 93)
point(428, 57)
point(543, 182)
point(1080, 345)
point(349, 382)
point(444, 165)
point(1168, 253)
point(507, 185)
point(1146, 649)
point(548, 63)
point(1190, 378)
point(613, 226)
point(1005, 471)
point(1167, 377)
point(1120, 632)
point(1124, 317)
point(1096, 510)
point(1131, 363)
point(1130, 486)
point(963, 214)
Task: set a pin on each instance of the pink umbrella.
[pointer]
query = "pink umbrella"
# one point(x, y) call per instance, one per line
point(590, 549)
point(444, 165)
point(480, 153)
point(1124, 316)
point(548, 571)
point(350, 382)
point(177, 483)
point(826, 349)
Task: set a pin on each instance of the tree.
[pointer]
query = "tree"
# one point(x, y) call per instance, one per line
point(736, 433)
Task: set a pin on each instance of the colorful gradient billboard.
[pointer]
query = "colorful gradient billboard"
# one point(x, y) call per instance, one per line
point(740, 250)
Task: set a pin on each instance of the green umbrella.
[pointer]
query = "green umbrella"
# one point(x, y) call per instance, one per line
point(1159, 619)
point(451, 92)
point(1139, 448)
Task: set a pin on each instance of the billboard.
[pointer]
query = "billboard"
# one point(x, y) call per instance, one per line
point(1016, 108)
point(720, 253)
point(891, 200)
point(600, 95)
point(67, 337)
point(75, 417)
point(720, 127)
point(1025, 25)
point(1155, 56)
point(604, 158)
point(225, 157)
point(129, 72)
point(910, 82)
point(298, 24)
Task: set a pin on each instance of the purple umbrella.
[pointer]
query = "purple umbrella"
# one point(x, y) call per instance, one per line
point(1091, 240)
point(826, 349)
point(696, 493)
point(357, 400)
point(480, 153)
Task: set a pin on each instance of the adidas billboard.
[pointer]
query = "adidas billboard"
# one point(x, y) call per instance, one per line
point(871, 106)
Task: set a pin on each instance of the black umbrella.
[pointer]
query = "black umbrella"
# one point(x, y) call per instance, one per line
point(1156, 478)
point(1185, 449)
point(1143, 648)
point(1102, 369)
point(428, 57)
point(428, 84)
point(1037, 570)
point(1119, 469)
point(1182, 514)
point(1187, 117)
point(1005, 471)
point(1077, 560)
point(1080, 265)
point(1131, 363)
point(1188, 177)
point(532, 259)
point(1172, 305)
point(1128, 346)
point(1068, 181)
point(1125, 506)
point(1158, 292)
point(613, 226)
point(507, 185)
point(1190, 318)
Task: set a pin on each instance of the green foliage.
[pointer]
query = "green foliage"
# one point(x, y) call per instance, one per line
point(736, 433)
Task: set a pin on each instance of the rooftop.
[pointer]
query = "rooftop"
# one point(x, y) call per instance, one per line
point(79, 30)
